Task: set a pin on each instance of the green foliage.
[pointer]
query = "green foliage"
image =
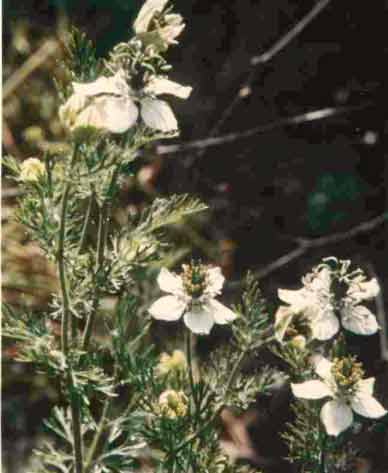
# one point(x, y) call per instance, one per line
point(329, 202)
point(305, 438)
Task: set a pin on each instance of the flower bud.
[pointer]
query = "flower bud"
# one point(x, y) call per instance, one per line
point(171, 363)
point(172, 403)
point(31, 169)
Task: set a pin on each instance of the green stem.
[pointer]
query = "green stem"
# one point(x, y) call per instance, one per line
point(101, 243)
point(220, 408)
point(61, 265)
point(190, 367)
point(96, 296)
point(66, 314)
point(323, 454)
point(96, 442)
point(229, 384)
point(85, 226)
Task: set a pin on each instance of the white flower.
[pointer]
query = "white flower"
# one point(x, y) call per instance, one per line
point(341, 380)
point(146, 13)
point(193, 294)
point(152, 26)
point(108, 103)
point(31, 169)
point(318, 302)
point(355, 317)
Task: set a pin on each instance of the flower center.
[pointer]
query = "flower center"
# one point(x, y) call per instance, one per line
point(194, 278)
point(339, 288)
point(347, 372)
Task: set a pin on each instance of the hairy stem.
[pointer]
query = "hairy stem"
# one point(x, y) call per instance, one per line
point(190, 367)
point(101, 243)
point(85, 226)
point(220, 408)
point(66, 315)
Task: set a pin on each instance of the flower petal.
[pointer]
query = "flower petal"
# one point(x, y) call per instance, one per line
point(358, 319)
point(283, 317)
point(162, 85)
point(174, 27)
point(313, 389)
point(367, 406)
point(168, 308)
point(116, 85)
point(146, 13)
point(115, 114)
point(158, 115)
point(336, 416)
point(199, 320)
point(296, 299)
point(364, 290)
point(325, 325)
point(366, 386)
point(322, 367)
point(169, 282)
point(221, 314)
point(215, 281)
point(121, 113)
point(322, 280)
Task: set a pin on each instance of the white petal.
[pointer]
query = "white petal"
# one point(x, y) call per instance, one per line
point(336, 416)
point(199, 321)
point(358, 319)
point(297, 299)
point(215, 281)
point(367, 406)
point(146, 13)
point(174, 27)
point(169, 282)
point(322, 367)
point(93, 115)
point(103, 85)
point(115, 114)
point(326, 325)
point(221, 314)
point(322, 280)
point(167, 308)
point(162, 85)
point(366, 386)
point(121, 113)
point(313, 389)
point(283, 317)
point(364, 290)
point(158, 115)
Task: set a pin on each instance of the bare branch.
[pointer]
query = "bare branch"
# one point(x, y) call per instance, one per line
point(267, 56)
point(305, 245)
point(307, 117)
point(47, 49)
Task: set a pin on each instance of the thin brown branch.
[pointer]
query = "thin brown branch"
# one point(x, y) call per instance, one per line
point(265, 57)
point(47, 49)
point(307, 244)
point(306, 117)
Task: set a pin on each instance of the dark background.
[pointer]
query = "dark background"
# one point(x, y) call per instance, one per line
point(310, 180)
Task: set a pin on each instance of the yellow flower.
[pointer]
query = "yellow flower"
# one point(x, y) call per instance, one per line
point(172, 403)
point(174, 362)
point(31, 169)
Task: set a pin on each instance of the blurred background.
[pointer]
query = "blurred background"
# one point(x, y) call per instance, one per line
point(298, 170)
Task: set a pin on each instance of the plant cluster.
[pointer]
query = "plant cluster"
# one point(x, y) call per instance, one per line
point(126, 406)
